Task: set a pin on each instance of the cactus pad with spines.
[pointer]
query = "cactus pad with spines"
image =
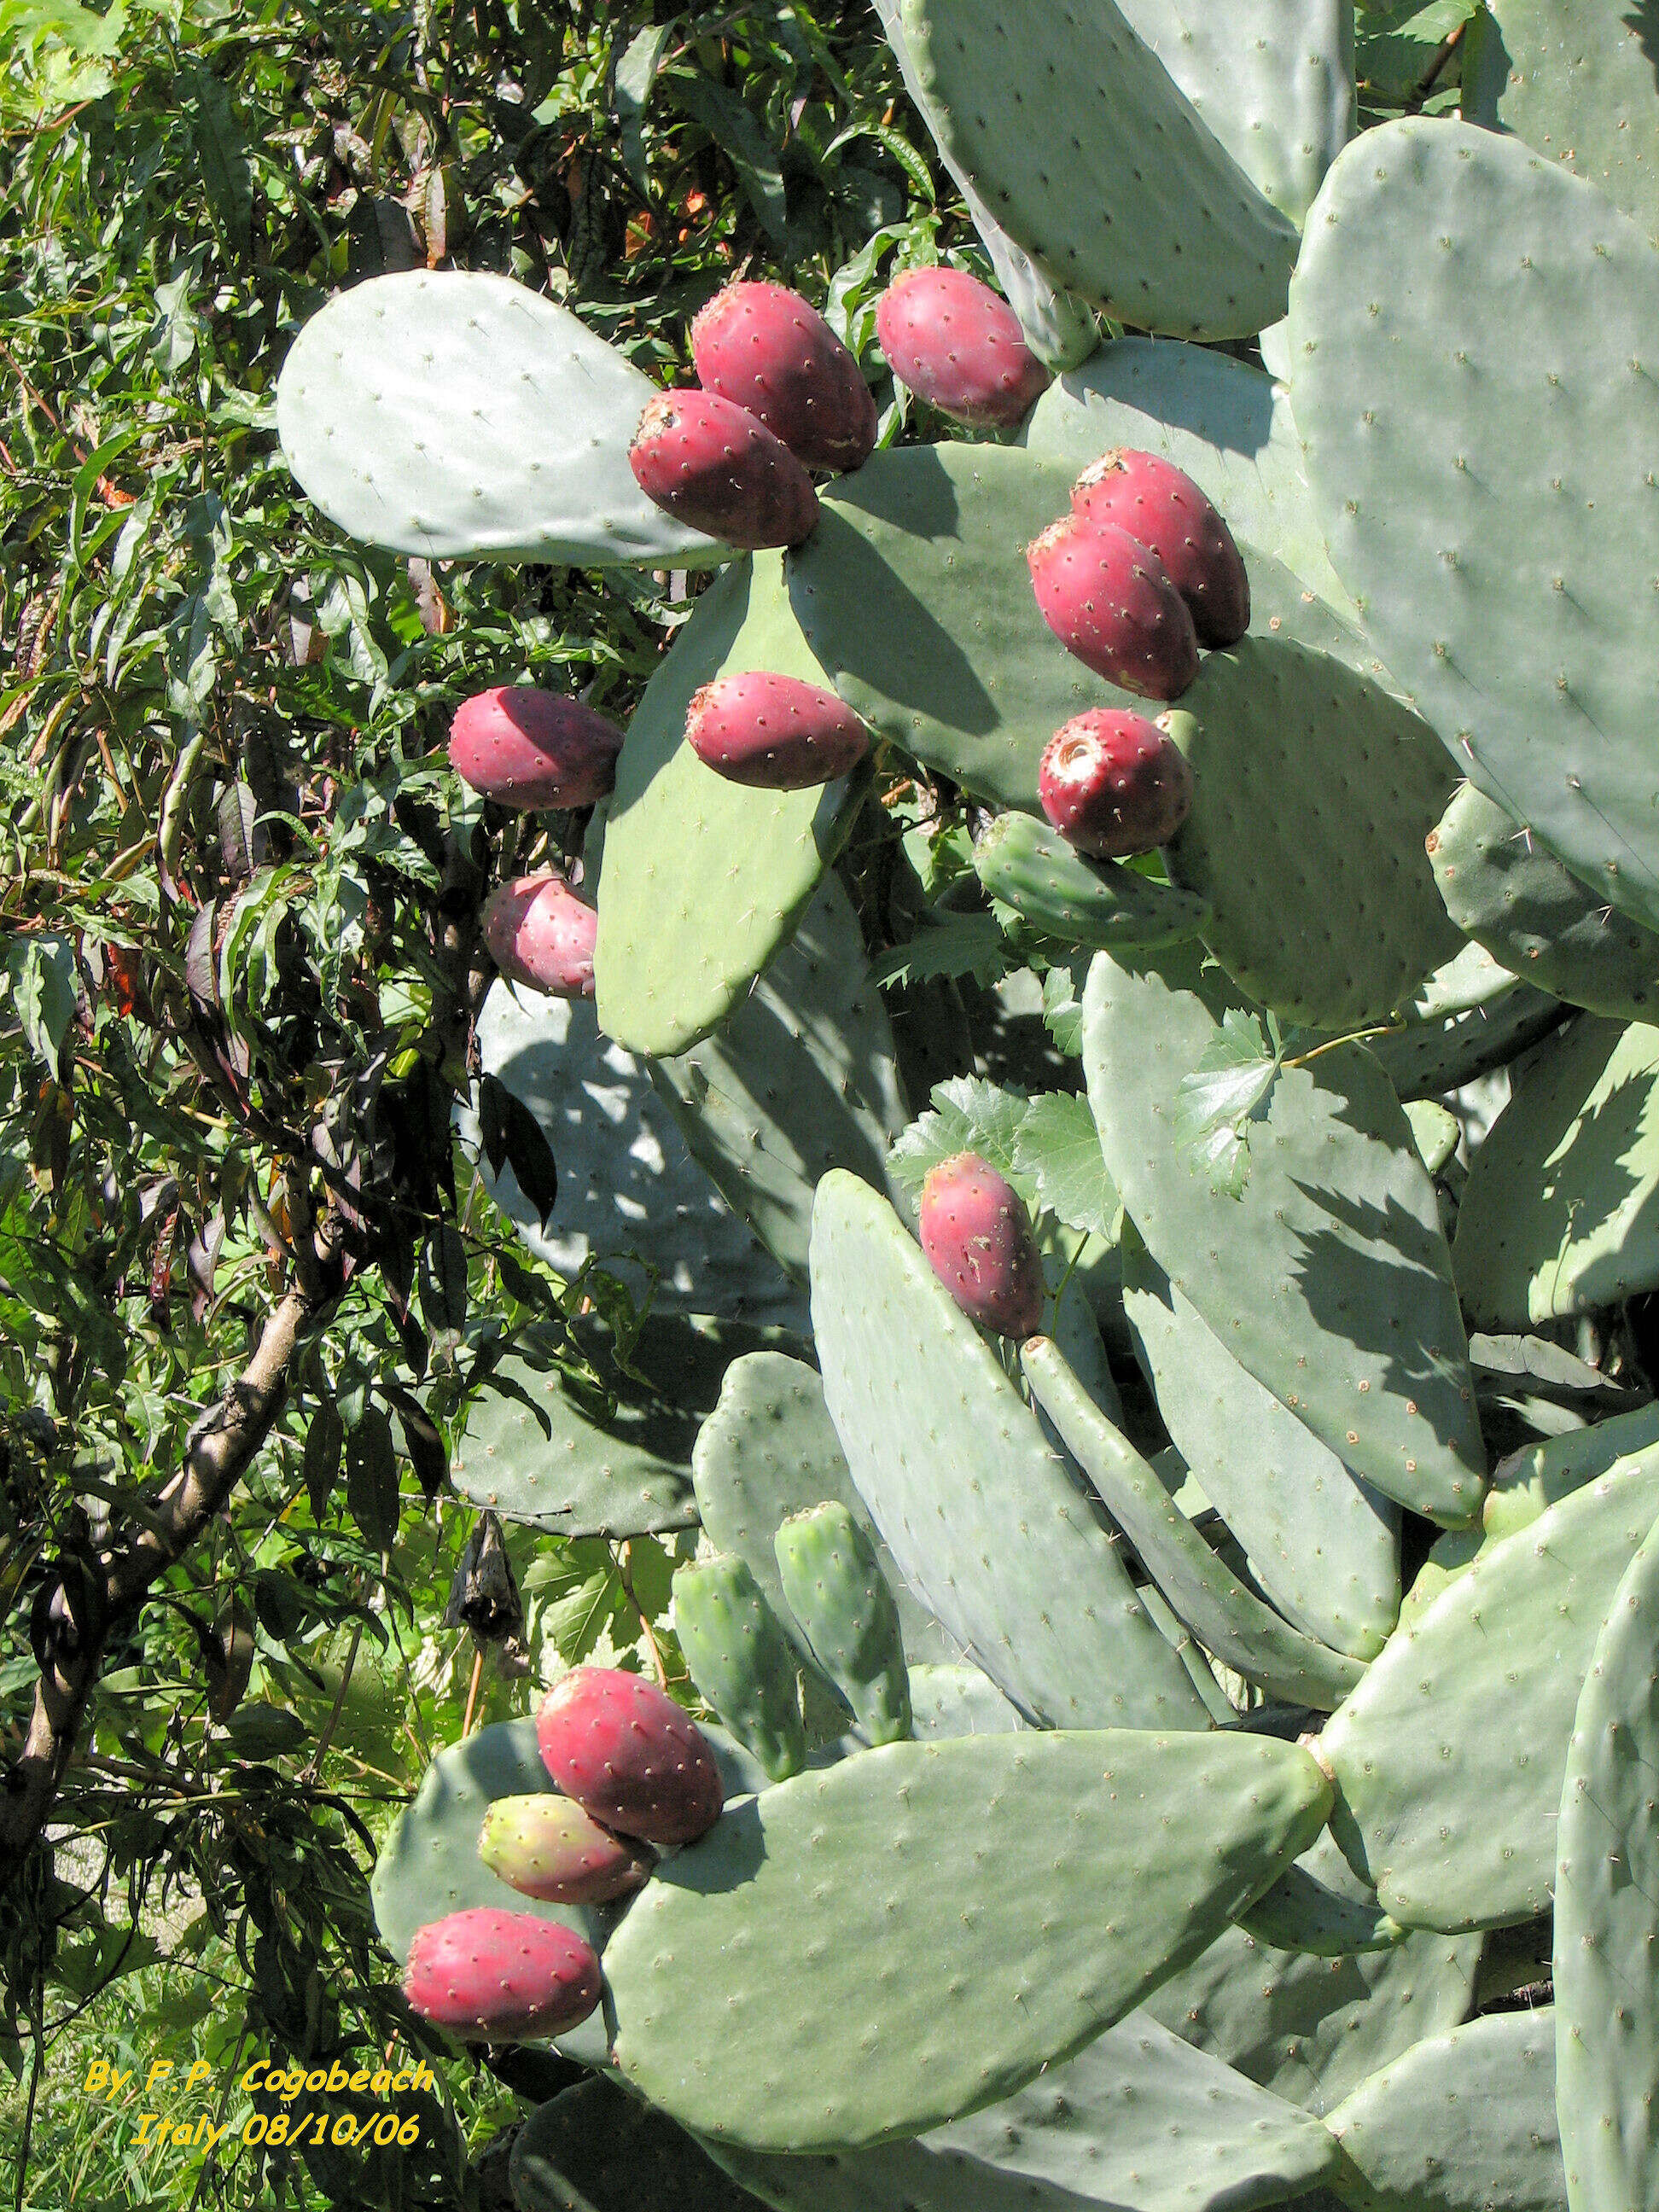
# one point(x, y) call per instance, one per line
point(834, 1586)
point(921, 1929)
point(594, 2149)
point(981, 1516)
point(1096, 903)
point(740, 1660)
point(1577, 82)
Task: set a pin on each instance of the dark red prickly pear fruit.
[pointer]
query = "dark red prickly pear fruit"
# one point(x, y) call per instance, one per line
point(953, 341)
point(979, 1242)
point(494, 1977)
point(630, 1756)
point(538, 932)
point(763, 348)
point(1109, 600)
point(774, 732)
point(527, 749)
point(1113, 783)
point(548, 1847)
point(1160, 506)
point(711, 466)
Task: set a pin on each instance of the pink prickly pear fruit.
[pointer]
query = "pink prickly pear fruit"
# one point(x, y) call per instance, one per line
point(629, 1756)
point(538, 932)
point(1113, 783)
point(494, 1977)
point(527, 748)
point(548, 1848)
point(712, 466)
point(979, 1242)
point(1160, 506)
point(774, 732)
point(765, 349)
point(954, 342)
point(1110, 601)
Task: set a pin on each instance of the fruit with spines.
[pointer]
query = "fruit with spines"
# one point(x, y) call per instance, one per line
point(629, 1756)
point(765, 349)
point(494, 1977)
point(1161, 507)
point(1110, 601)
point(955, 344)
point(713, 465)
point(774, 733)
point(539, 933)
point(546, 1847)
point(1113, 784)
point(526, 748)
point(741, 1659)
point(835, 1587)
point(980, 1243)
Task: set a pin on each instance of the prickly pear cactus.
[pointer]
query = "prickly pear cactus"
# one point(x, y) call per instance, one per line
point(1193, 1751)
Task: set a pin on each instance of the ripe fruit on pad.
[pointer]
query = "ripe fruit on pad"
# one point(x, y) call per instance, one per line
point(1109, 600)
point(774, 732)
point(629, 1756)
point(979, 1242)
point(527, 749)
point(953, 341)
point(495, 1976)
point(1113, 783)
point(548, 1848)
point(713, 466)
point(765, 349)
point(1161, 507)
point(538, 932)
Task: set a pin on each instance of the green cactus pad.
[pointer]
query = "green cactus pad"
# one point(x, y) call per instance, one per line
point(1327, 1277)
point(1312, 2029)
point(1137, 2120)
point(1483, 485)
point(1470, 1017)
point(703, 879)
point(958, 1701)
point(981, 1516)
point(1135, 204)
point(1323, 1545)
point(1559, 1212)
point(1321, 1905)
point(1460, 2122)
point(1530, 1482)
point(800, 1079)
point(1448, 1757)
point(1313, 793)
point(770, 1449)
point(1575, 82)
point(920, 1930)
point(1228, 425)
point(1502, 889)
point(1227, 1618)
point(630, 1195)
point(1096, 903)
point(594, 2149)
point(740, 1660)
point(455, 414)
point(834, 1586)
point(1606, 1906)
point(545, 1452)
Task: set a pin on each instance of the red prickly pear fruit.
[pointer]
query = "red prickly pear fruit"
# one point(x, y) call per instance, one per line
point(764, 348)
point(1110, 601)
point(529, 748)
point(953, 341)
point(494, 1977)
point(1161, 507)
point(979, 1242)
point(710, 464)
point(630, 1756)
point(1113, 783)
point(538, 932)
point(774, 732)
point(548, 1848)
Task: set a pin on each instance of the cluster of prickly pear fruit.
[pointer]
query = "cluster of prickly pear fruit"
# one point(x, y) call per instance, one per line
point(1177, 1611)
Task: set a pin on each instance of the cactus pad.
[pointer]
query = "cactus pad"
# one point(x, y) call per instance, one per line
point(454, 413)
point(1098, 903)
point(1577, 83)
point(594, 2149)
point(920, 1930)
